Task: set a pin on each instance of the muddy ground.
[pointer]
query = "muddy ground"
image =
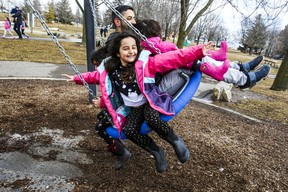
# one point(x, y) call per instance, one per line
point(42, 120)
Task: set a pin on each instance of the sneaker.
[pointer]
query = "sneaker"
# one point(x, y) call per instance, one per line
point(249, 66)
point(255, 77)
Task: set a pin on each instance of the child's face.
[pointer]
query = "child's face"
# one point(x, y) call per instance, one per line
point(127, 51)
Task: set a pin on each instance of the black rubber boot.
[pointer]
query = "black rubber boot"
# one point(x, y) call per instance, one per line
point(121, 153)
point(158, 154)
point(179, 146)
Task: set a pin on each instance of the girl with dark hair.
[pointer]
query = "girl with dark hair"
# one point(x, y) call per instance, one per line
point(7, 27)
point(240, 75)
point(128, 87)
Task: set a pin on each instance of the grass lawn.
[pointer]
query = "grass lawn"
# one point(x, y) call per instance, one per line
point(41, 51)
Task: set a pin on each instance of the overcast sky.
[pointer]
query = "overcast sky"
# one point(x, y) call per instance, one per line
point(230, 17)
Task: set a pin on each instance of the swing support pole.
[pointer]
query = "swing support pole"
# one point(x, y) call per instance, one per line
point(90, 41)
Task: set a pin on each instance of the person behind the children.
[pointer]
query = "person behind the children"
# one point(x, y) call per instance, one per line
point(7, 27)
point(116, 147)
point(239, 75)
point(131, 73)
point(17, 15)
point(23, 26)
point(128, 13)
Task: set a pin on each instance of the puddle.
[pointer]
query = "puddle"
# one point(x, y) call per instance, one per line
point(42, 175)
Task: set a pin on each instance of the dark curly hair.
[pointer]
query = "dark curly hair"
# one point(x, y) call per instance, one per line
point(114, 62)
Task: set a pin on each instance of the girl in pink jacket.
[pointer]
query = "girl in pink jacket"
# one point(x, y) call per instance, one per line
point(7, 27)
point(240, 75)
point(130, 74)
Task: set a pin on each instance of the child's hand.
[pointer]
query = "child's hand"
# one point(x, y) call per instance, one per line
point(208, 46)
point(69, 77)
point(96, 102)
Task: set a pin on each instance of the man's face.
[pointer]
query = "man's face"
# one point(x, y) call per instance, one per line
point(129, 15)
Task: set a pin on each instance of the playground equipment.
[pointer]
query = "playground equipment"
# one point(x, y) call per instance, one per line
point(180, 100)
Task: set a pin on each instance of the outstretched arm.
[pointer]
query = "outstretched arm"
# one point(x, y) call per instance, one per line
point(69, 77)
point(178, 58)
point(207, 47)
point(90, 77)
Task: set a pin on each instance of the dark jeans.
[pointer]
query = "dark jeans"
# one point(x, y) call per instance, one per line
point(17, 30)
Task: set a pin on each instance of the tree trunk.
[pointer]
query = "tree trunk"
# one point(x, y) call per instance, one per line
point(281, 81)
point(183, 32)
point(84, 32)
point(184, 14)
point(84, 26)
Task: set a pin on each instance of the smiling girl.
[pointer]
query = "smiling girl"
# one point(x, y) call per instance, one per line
point(128, 88)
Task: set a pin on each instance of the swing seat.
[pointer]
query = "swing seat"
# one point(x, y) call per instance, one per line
point(179, 102)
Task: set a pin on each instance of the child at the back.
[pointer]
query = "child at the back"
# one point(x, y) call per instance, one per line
point(239, 75)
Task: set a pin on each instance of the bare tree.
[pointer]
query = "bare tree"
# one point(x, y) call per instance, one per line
point(169, 16)
point(272, 43)
point(186, 11)
point(2, 8)
point(37, 6)
point(78, 17)
point(84, 24)
point(281, 81)
point(143, 9)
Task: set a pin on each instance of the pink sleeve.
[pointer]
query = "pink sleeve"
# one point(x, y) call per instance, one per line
point(89, 77)
point(166, 46)
point(175, 59)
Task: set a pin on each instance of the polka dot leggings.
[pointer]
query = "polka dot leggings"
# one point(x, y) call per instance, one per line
point(134, 122)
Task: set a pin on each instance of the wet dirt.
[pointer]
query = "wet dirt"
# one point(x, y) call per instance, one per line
point(48, 143)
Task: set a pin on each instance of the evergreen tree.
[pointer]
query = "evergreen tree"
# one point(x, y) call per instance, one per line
point(257, 35)
point(50, 14)
point(64, 12)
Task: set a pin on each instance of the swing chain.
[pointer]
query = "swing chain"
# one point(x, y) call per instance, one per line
point(143, 37)
point(98, 35)
point(62, 50)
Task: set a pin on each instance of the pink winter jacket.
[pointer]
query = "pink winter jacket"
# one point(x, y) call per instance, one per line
point(7, 25)
point(163, 46)
point(146, 67)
